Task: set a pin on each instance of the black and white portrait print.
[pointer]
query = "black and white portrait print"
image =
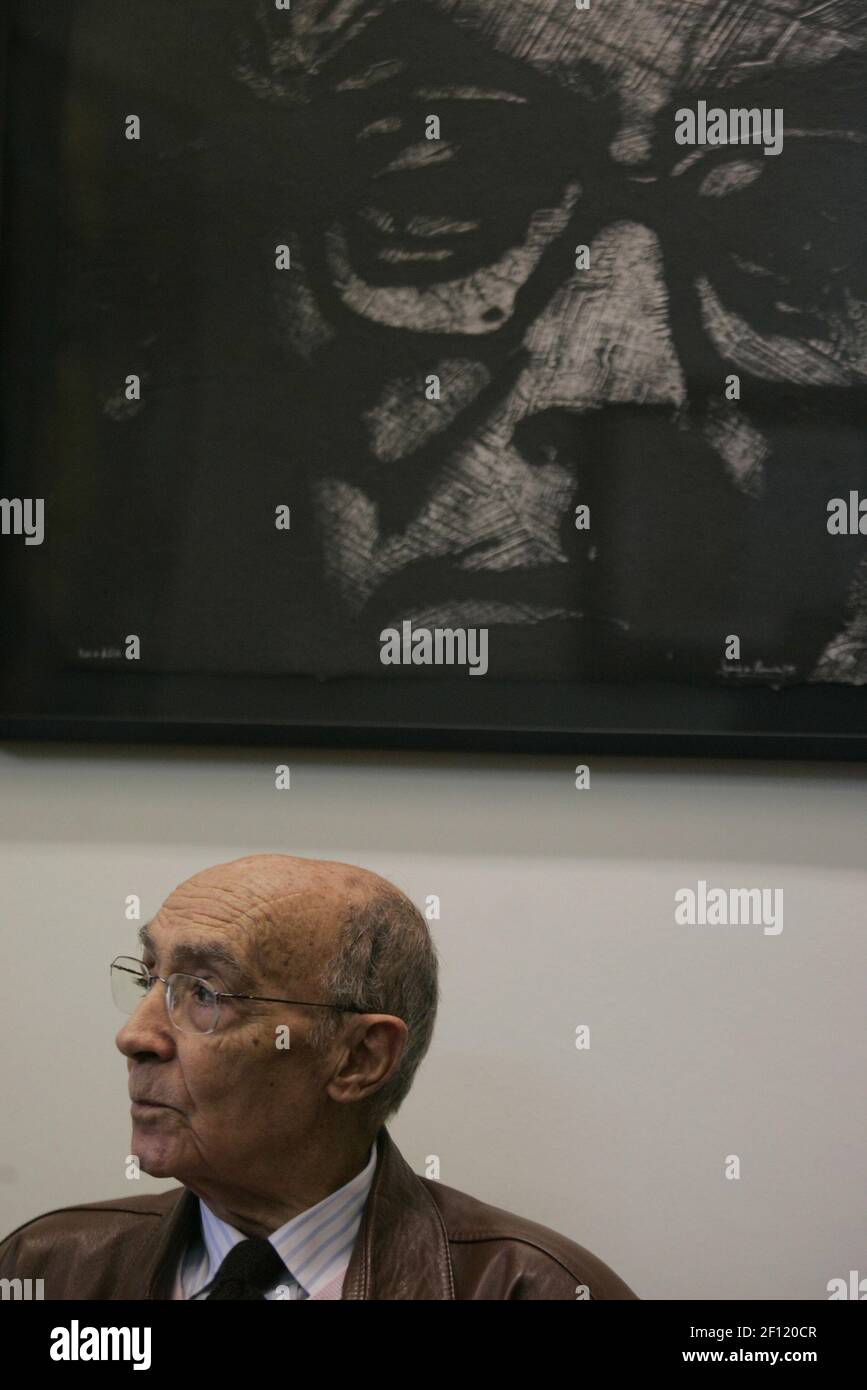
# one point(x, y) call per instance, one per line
point(570, 392)
point(453, 280)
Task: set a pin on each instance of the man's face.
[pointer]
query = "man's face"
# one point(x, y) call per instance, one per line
point(605, 386)
point(229, 1105)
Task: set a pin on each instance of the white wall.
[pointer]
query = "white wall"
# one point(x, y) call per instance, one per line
point(557, 909)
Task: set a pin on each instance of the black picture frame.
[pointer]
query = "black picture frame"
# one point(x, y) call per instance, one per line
point(40, 701)
point(657, 720)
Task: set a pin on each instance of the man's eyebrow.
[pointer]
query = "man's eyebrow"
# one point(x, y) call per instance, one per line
point(212, 952)
point(828, 96)
point(465, 91)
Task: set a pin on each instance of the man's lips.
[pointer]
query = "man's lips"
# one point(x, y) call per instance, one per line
point(435, 583)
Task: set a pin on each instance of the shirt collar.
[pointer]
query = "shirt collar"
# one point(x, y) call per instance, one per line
point(315, 1245)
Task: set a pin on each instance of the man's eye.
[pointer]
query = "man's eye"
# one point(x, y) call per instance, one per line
point(202, 995)
point(779, 236)
point(418, 210)
point(770, 299)
point(729, 176)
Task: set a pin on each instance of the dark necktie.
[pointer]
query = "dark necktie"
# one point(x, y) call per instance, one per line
point(250, 1267)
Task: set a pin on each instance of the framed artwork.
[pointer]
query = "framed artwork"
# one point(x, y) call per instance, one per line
point(441, 373)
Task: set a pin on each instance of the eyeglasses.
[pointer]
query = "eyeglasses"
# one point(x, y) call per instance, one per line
point(193, 1006)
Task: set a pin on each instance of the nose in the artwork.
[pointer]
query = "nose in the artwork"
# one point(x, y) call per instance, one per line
point(605, 337)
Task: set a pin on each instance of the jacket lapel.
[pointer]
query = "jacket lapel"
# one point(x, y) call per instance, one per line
point(402, 1250)
point(178, 1228)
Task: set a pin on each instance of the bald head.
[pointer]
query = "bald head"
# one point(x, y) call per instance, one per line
point(285, 915)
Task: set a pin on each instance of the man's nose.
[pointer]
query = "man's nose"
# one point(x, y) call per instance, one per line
point(148, 1028)
point(605, 335)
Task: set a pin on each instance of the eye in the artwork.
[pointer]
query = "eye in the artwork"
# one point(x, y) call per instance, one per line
point(425, 210)
point(773, 298)
point(729, 176)
point(778, 237)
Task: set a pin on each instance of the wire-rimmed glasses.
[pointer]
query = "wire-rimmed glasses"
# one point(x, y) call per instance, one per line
point(193, 1005)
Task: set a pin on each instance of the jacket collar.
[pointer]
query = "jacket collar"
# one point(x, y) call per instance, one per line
point(401, 1251)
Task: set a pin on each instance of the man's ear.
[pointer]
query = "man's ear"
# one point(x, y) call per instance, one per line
point(369, 1053)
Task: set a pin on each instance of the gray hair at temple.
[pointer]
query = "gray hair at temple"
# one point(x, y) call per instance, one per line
point(385, 963)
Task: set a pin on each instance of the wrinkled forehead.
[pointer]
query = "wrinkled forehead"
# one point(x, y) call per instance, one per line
point(642, 47)
point(252, 932)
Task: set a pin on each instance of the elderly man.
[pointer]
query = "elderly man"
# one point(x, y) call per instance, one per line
point(276, 1020)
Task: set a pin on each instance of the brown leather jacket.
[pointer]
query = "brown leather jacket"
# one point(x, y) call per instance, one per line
point(417, 1240)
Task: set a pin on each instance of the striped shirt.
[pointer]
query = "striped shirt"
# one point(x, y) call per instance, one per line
point(315, 1246)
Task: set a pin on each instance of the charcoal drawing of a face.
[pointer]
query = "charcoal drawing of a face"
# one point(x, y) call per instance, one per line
point(563, 387)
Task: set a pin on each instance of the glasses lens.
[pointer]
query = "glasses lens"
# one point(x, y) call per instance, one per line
point(129, 983)
point(192, 1005)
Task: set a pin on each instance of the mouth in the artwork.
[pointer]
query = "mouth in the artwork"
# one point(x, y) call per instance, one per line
point(436, 587)
point(483, 613)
